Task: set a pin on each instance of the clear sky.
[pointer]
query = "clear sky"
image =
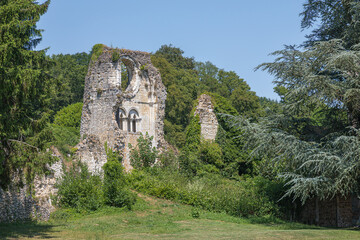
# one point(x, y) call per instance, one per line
point(234, 35)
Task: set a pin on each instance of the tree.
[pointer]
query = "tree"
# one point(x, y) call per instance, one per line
point(246, 102)
point(182, 90)
point(208, 76)
point(175, 57)
point(320, 78)
point(25, 84)
point(69, 71)
point(338, 19)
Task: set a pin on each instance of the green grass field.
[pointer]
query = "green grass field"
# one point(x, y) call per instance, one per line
point(154, 218)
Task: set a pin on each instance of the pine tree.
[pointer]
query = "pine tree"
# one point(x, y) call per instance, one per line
point(25, 84)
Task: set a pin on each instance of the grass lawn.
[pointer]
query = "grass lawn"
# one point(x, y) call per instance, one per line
point(154, 218)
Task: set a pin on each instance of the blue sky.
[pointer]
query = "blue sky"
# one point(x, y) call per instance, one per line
point(232, 34)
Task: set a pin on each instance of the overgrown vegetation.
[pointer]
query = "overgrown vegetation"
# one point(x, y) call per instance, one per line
point(82, 191)
point(210, 191)
point(79, 189)
point(96, 51)
point(205, 187)
point(115, 189)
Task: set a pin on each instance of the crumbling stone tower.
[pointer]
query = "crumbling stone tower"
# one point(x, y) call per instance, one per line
point(208, 121)
point(116, 117)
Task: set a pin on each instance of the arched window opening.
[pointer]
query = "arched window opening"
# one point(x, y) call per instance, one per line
point(121, 118)
point(126, 73)
point(124, 77)
point(129, 125)
point(134, 123)
point(121, 122)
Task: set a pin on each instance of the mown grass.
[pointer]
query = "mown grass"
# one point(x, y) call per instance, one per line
point(154, 218)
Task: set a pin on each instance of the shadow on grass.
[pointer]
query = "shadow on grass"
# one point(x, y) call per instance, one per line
point(25, 230)
point(285, 225)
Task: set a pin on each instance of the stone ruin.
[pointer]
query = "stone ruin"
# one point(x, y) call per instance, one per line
point(22, 203)
point(110, 115)
point(115, 116)
point(208, 121)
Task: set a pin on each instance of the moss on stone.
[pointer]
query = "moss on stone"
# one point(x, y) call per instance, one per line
point(115, 56)
point(96, 51)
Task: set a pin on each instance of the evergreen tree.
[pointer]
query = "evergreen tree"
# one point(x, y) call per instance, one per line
point(318, 80)
point(25, 84)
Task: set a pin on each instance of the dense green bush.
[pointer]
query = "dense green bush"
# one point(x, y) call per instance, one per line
point(116, 192)
point(193, 133)
point(211, 153)
point(79, 189)
point(169, 160)
point(210, 191)
point(69, 116)
point(64, 138)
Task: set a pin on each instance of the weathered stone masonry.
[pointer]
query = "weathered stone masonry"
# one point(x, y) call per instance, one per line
point(117, 117)
point(18, 203)
point(208, 121)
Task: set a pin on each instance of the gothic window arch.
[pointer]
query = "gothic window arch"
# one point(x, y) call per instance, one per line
point(121, 119)
point(133, 121)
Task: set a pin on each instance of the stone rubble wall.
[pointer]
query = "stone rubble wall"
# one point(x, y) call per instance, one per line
point(17, 204)
point(208, 121)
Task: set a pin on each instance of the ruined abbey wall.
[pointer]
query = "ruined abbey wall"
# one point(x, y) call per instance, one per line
point(20, 203)
point(116, 117)
point(208, 121)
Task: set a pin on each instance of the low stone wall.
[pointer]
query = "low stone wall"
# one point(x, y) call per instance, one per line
point(17, 204)
point(335, 212)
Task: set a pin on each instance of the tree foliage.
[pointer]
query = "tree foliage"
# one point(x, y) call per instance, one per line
point(335, 19)
point(315, 140)
point(186, 80)
point(69, 116)
point(25, 86)
point(144, 154)
point(69, 70)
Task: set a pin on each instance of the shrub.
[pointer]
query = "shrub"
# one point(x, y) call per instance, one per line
point(79, 189)
point(115, 55)
point(169, 160)
point(69, 116)
point(82, 191)
point(209, 191)
point(210, 153)
point(143, 155)
point(64, 138)
point(96, 51)
point(115, 186)
point(189, 163)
